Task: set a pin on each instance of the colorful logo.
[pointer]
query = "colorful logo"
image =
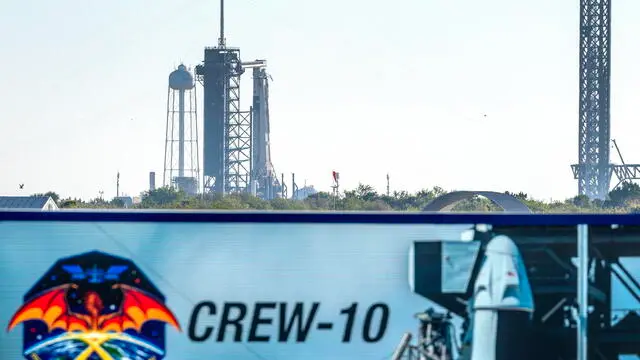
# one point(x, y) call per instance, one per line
point(94, 306)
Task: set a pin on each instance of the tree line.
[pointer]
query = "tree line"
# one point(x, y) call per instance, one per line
point(624, 199)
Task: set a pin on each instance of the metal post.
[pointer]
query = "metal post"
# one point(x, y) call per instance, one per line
point(388, 192)
point(181, 133)
point(335, 197)
point(402, 347)
point(221, 40)
point(293, 186)
point(583, 290)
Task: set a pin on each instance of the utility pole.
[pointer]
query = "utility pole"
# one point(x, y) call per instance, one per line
point(336, 188)
point(294, 186)
point(388, 190)
point(283, 187)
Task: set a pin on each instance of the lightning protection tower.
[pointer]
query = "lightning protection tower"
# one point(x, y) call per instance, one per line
point(181, 161)
point(593, 170)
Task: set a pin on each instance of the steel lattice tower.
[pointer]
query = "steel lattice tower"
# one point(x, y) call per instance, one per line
point(236, 143)
point(593, 170)
point(238, 135)
point(227, 130)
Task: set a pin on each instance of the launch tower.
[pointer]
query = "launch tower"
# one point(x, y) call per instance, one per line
point(236, 156)
point(594, 169)
point(181, 161)
point(227, 130)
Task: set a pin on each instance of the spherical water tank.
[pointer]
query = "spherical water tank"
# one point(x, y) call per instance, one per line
point(181, 79)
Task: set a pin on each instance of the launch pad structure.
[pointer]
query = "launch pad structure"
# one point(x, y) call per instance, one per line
point(236, 151)
point(594, 168)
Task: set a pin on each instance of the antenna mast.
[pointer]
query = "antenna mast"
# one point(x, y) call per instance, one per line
point(221, 40)
point(388, 184)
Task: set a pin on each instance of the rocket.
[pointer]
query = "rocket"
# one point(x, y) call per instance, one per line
point(502, 304)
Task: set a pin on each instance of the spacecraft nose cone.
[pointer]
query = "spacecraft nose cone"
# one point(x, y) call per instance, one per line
point(502, 244)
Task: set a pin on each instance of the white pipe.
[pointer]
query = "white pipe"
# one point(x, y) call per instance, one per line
point(181, 133)
point(583, 290)
point(402, 347)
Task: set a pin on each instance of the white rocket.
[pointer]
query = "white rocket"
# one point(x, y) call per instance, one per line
point(502, 304)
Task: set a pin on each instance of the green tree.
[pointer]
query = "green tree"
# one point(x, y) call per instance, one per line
point(581, 201)
point(319, 201)
point(54, 196)
point(161, 197)
point(71, 203)
point(364, 197)
point(366, 193)
point(627, 191)
point(117, 203)
point(520, 195)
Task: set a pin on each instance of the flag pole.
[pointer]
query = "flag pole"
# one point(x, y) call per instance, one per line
point(336, 187)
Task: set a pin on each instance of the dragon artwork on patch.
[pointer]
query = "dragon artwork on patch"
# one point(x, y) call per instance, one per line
point(94, 310)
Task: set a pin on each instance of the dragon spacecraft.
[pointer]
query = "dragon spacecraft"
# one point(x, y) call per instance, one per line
point(489, 279)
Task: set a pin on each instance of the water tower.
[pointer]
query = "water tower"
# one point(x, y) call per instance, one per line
point(181, 161)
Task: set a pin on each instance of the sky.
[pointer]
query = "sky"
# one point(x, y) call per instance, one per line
point(365, 88)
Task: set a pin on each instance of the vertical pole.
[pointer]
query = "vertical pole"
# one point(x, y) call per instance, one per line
point(181, 132)
point(583, 290)
point(171, 139)
point(152, 181)
point(335, 196)
point(221, 40)
point(293, 186)
point(337, 193)
point(251, 147)
point(166, 141)
point(388, 185)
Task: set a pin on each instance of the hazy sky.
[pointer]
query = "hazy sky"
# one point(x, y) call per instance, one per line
point(362, 87)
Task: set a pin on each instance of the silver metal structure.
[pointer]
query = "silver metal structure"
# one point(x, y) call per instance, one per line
point(227, 130)
point(434, 341)
point(583, 291)
point(181, 160)
point(593, 171)
point(506, 202)
point(236, 152)
point(624, 172)
point(238, 135)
